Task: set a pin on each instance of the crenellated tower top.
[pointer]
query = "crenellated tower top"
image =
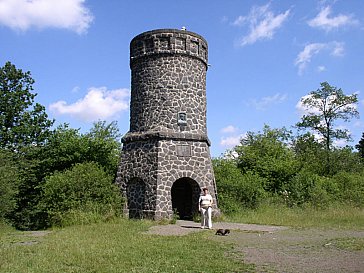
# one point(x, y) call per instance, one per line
point(168, 41)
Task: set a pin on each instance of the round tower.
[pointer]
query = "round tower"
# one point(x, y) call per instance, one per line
point(165, 158)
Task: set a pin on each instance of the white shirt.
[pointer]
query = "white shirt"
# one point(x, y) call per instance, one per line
point(205, 201)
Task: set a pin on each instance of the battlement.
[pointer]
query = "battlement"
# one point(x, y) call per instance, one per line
point(168, 41)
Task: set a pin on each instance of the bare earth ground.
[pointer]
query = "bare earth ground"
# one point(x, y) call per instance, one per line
point(282, 249)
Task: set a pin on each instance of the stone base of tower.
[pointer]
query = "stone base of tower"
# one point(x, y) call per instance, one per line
point(161, 175)
point(159, 215)
point(146, 214)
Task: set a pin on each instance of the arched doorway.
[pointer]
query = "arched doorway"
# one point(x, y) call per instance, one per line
point(185, 192)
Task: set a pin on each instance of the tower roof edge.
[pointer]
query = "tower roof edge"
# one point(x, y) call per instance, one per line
point(168, 30)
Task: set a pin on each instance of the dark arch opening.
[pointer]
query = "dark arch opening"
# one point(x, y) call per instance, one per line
point(185, 192)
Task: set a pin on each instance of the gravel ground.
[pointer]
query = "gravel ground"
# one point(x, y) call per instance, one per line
point(282, 249)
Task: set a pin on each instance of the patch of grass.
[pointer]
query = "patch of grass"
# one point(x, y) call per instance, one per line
point(342, 217)
point(87, 216)
point(118, 246)
point(5, 229)
point(352, 244)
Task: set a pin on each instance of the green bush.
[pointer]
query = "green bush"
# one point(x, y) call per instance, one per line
point(351, 187)
point(307, 187)
point(8, 185)
point(27, 215)
point(345, 160)
point(83, 194)
point(237, 190)
point(268, 155)
point(64, 148)
point(229, 204)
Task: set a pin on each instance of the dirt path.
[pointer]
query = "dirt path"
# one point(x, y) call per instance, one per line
point(281, 249)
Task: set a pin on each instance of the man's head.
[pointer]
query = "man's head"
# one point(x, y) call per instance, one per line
point(205, 190)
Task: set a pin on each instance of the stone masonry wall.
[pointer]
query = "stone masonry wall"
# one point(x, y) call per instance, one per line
point(167, 139)
point(175, 163)
point(162, 88)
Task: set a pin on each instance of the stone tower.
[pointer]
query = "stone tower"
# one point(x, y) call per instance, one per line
point(166, 157)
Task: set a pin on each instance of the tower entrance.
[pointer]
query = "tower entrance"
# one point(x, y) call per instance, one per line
point(185, 192)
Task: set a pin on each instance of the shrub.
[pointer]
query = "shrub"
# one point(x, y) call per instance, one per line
point(351, 187)
point(8, 184)
point(307, 187)
point(79, 195)
point(345, 160)
point(268, 155)
point(64, 148)
point(27, 215)
point(237, 190)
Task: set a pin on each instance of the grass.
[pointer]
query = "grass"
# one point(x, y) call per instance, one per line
point(4, 230)
point(117, 246)
point(351, 244)
point(341, 217)
point(121, 245)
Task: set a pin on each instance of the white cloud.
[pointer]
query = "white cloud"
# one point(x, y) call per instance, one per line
point(302, 109)
point(99, 103)
point(262, 23)
point(265, 102)
point(230, 154)
point(337, 49)
point(324, 21)
point(229, 129)
point(224, 19)
point(24, 14)
point(231, 141)
point(321, 68)
point(75, 89)
point(340, 142)
point(304, 57)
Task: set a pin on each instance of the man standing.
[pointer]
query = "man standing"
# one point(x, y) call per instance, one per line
point(205, 207)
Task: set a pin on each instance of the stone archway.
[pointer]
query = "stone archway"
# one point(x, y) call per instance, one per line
point(185, 193)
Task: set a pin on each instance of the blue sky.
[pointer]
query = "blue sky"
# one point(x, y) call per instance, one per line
point(264, 55)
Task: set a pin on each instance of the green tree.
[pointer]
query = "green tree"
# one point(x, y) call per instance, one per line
point(237, 190)
point(268, 155)
point(360, 146)
point(105, 145)
point(310, 153)
point(65, 147)
point(8, 184)
point(22, 122)
point(325, 106)
point(344, 159)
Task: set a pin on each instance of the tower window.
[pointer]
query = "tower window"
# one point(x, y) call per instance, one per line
point(182, 118)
